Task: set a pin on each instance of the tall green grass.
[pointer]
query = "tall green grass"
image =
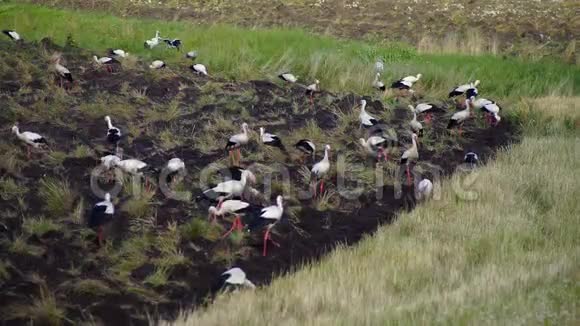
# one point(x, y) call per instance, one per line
point(243, 54)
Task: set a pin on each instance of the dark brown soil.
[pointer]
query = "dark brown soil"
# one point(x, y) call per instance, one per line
point(70, 255)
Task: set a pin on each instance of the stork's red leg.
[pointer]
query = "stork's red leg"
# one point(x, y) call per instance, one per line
point(408, 176)
point(100, 236)
point(266, 236)
point(321, 186)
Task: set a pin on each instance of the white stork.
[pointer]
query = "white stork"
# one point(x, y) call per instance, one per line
point(411, 154)
point(306, 146)
point(101, 214)
point(379, 84)
point(236, 141)
point(230, 206)
point(424, 190)
point(31, 139)
point(458, 118)
point(288, 77)
point(62, 71)
point(271, 140)
point(153, 42)
point(461, 89)
point(416, 126)
point(375, 146)
point(231, 188)
point(173, 167)
point(12, 34)
point(311, 89)
point(118, 53)
point(113, 133)
point(490, 108)
point(107, 62)
point(157, 64)
point(425, 107)
point(366, 120)
point(237, 277)
point(272, 215)
point(320, 169)
point(200, 69)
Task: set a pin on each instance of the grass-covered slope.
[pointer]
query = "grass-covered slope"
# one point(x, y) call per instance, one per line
point(242, 54)
point(163, 254)
point(501, 246)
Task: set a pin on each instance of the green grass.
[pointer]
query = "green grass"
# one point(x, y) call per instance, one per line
point(344, 65)
point(39, 226)
point(58, 197)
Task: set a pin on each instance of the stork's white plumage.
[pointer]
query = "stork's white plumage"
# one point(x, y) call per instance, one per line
point(153, 42)
point(312, 88)
point(375, 146)
point(320, 169)
point(306, 146)
point(199, 69)
point(424, 190)
point(490, 107)
point(30, 138)
point(119, 53)
point(157, 64)
point(458, 118)
point(379, 66)
point(378, 84)
point(288, 77)
point(175, 164)
point(103, 60)
point(230, 206)
point(109, 161)
point(237, 277)
point(461, 89)
point(366, 119)
point(411, 79)
point(271, 139)
point(416, 126)
point(229, 188)
point(411, 154)
point(422, 107)
point(191, 55)
point(132, 166)
point(12, 34)
point(62, 71)
point(273, 214)
point(102, 213)
point(113, 133)
point(240, 139)
point(236, 141)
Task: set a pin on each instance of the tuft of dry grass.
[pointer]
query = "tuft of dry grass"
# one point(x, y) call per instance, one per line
point(44, 309)
point(505, 256)
point(57, 195)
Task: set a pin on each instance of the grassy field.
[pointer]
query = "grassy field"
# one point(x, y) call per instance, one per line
point(509, 256)
point(340, 65)
point(522, 28)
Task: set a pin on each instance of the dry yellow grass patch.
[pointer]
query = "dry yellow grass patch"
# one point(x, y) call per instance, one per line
point(558, 107)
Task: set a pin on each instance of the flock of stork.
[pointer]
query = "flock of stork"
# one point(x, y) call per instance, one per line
point(229, 194)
